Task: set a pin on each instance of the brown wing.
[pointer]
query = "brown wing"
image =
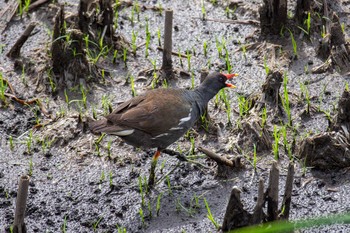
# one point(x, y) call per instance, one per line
point(154, 113)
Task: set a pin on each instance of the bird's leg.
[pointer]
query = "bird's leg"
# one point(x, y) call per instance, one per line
point(152, 174)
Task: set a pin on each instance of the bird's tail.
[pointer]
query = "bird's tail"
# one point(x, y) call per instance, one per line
point(103, 126)
point(97, 126)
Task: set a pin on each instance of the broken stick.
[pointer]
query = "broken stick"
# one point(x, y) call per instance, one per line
point(16, 48)
point(167, 65)
point(219, 159)
point(272, 193)
point(21, 202)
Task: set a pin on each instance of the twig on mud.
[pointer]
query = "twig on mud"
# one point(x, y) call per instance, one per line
point(7, 13)
point(216, 157)
point(16, 48)
point(173, 53)
point(141, 45)
point(30, 102)
point(237, 21)
point(25, 102)
point(37, 4)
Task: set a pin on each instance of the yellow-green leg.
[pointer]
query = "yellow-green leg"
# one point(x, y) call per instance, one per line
point(152, 175)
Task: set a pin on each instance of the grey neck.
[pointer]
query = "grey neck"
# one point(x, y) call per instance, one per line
point(205, 93)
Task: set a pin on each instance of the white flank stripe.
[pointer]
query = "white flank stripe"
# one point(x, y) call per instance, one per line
point(124, 132)
point(176, 128)
point(185, 119)
point(160, 135)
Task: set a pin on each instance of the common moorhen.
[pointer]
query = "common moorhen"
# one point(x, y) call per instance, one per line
point(159, 117)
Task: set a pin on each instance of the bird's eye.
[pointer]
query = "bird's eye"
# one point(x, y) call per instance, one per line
point(221, 79)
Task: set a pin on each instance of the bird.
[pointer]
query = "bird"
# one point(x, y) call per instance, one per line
point(159, 117)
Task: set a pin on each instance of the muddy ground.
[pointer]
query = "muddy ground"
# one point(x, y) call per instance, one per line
point(76, 188)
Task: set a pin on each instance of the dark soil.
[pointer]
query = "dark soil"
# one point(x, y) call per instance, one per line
point(76, 188)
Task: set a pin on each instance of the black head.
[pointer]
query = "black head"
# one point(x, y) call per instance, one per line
point(215, 81)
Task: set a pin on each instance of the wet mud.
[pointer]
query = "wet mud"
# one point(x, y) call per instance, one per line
point(79, 183)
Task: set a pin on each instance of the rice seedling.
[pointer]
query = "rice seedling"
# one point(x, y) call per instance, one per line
point(275, 145)
point(170, 191)
point(66, 97)
point(179, 206)
point(136, 5)
point(210, 216)
point(125, 57)
point(149, 207)
point(26, 5)
point(158, 203)
point(116, 16)
point(294, 43)
point(204, 13)
point(110, 179)
point(31, 167)
point(243, 106)
point(97, 150)
point(160, 8)
point(165, 84)
point(195, 199)
point(29, 141)
point(83, 96)
point(192, 80)
point(96, 223)
point(11, 142)
point(159, 38)
point(132, 83)
point(285, 99)
point(266, 67)
point(148, 38)
point(209, 63)
point(154, 80)
point(64, 225)
point(307, 23)
point(115, 56)
point(23, 77)
point(133, 42)
point(180, 59)
point(141, 191)
point(204, 122)
point(188, 53)
point(142, 215)
point(263, 117)
point(121, 229)
point(2, 46)
point(154, 64)
point(46, 144)
point(244, 49)
point(227, 103)
point(219, 47)
point(342, 25)
point(3, 88)
point(20, 9)
point(106, 104)
point(103, 74)
point(205, 48)
point(109, 145)
point(192, 148)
